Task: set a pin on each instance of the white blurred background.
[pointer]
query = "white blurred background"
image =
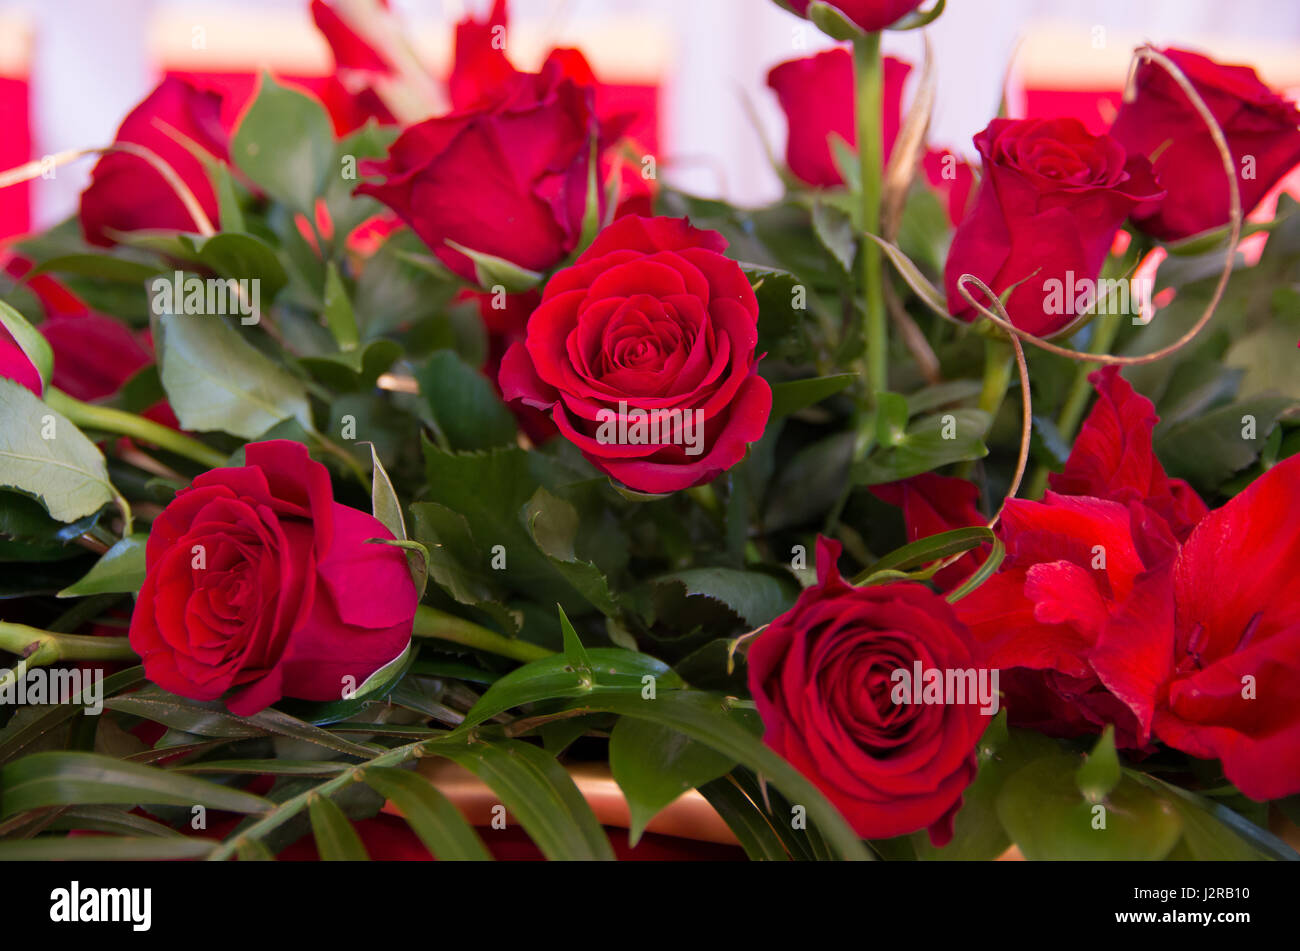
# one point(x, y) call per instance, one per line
point(89, 61)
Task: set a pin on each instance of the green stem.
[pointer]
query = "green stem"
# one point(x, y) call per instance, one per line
point(999, 367)
point(109, 420)
point(868, 75)
point(37, 647)
point(1104, 331)
point(430, 622)
point(286, 810)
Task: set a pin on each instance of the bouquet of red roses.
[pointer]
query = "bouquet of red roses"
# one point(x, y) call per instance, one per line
point(401, 469)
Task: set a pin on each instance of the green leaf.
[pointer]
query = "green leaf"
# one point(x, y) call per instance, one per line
point(490, 490)
point(1212, 447)
point(610, 670)
point(113, 820)
point(977, 833)
point(66, 472)
point(832, 22)
point(1214, 832)
point(187, 716)
point(285, 145)
point(105, 849)
point(432, 817)
point(538, 792)
point(931, 296)
point(463, 403)
point(336, 840)
point(982, 574)
point(926, 446)
point(1044, 813)
point(245, 257)
point(217, 381)
point(269, 767)
point(491, 272)
point(275, 721)
point(794, 395)
point(710, 719)
point(62, 778)
point(754, 597)
point(339, 316)
point(553, 525)
point(574, 652)
point(746, 821)
point(891, 419)
point(347, 211)
point(918, 18)
point(1100, 772)
point(229, 213)
point(383, 498)
point(834, 229)
point(120, 570)
point(932, 548)
point(15, 738)
point(779, 295)
point(654, 765)
point(29, 340)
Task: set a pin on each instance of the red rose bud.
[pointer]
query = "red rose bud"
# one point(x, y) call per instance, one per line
point(816, 95)
point(1161, 123)
point(260, 586)
point(1051, 200)
point(126, 193)
point(643, 353)
point(507, 178)
point(871, 16)
point(873, 694)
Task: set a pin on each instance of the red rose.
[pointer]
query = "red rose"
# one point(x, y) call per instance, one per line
point(870, 15)
point(349, 93)
point(1049, 205)
point(643, 352)
point(816, 95)
point(953, 179)
point(126, 193)
point(260, 586)
point(16, 365)
point(508, 179)
point(1160, 122)
point(824, 678)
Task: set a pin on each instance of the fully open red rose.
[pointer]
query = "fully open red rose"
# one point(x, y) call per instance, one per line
point(126, 193)
point(1160, 122)
point(869, 15)
point(816, 95)
point(643, 352)
point(260, 586)
point(1049, 205)
point(823, 677)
